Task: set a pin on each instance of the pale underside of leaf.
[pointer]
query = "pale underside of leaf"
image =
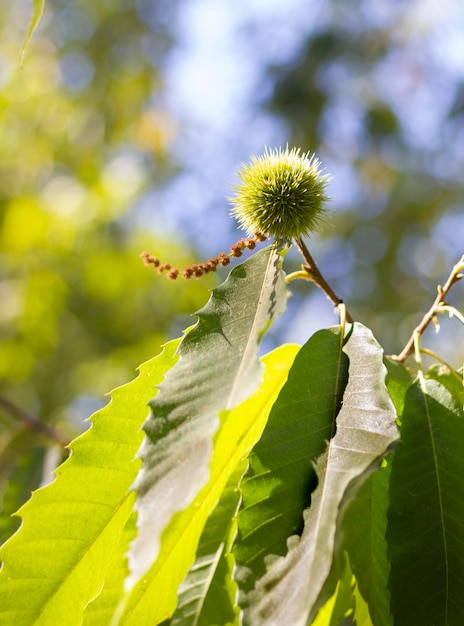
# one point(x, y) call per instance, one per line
point(365, 523)
point(295, 586)
point(218, 368)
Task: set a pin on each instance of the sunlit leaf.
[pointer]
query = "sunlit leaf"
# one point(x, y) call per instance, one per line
point(339, 608)
point(295, 586)
point(154, 598)
point(361, 609)
point(208, 594)
point(425, 521)
point(56, 563)
point(277, 486)
point(100, 611)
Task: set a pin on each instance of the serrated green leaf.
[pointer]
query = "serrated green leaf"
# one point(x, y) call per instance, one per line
point(278, 483)
point(154, 598)
point(56, 563)
point(297, 585)
point(37, 13)
point(425, 521)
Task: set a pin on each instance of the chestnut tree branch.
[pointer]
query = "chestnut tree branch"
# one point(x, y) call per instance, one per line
point(313, 273)
point(32, 422)
point(431, 314)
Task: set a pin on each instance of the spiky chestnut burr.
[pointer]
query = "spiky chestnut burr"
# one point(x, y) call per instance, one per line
point(281, 194)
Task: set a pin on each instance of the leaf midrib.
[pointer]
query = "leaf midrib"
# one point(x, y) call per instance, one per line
point(253, 335)
point(423, 388)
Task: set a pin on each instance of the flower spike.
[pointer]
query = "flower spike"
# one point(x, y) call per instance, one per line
point(198, 269)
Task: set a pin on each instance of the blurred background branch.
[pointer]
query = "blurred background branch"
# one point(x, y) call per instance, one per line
point(29, 421)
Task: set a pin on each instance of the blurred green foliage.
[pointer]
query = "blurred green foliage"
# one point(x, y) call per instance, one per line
point(81, 138)
point(86, 134)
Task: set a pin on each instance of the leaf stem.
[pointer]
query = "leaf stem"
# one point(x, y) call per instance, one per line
point(436, 308)
point(313, 273)
point(32, 422)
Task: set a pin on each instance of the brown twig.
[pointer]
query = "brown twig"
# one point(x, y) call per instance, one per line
point(32, 422)
point(431, 314)
point(314, 274)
